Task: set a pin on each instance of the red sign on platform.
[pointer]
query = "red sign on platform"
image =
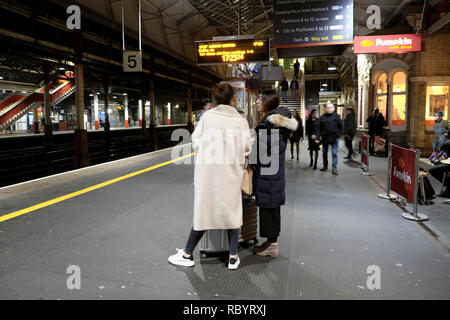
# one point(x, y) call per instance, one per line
point(364, 147)
point(382, 44)
point(403, 172)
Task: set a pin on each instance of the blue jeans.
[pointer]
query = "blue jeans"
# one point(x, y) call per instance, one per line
point(284, 94)
point(334, 151)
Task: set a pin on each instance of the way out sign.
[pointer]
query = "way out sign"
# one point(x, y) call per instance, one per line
point(132, 61)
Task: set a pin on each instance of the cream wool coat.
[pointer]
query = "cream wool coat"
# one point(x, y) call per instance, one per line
point(218, 180)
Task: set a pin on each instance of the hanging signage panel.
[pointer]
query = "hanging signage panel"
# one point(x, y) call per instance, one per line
point(301, 23)
point(132, 61)
point(232, 51)
point(392, 43)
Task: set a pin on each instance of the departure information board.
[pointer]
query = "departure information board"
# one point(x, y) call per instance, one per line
point(300, 23)
point(232, 51)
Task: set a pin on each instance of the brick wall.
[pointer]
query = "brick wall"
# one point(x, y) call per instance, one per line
point(432, 61)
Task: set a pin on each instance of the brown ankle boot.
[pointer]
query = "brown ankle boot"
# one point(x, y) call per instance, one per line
point(270, 251)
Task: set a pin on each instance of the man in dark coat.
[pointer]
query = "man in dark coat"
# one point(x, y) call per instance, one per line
point(284, 86)
point(294, 88)
point(349, 131)
point(330, 131)
point(296, 69)
point(376, 124)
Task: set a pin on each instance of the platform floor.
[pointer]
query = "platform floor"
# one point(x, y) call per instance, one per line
point(120, 235)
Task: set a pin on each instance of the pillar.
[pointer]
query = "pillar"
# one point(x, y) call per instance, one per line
point(190, 125)
point(125, 106)
point(35, 119)
point(153, 145)
point(81, 142)
point(141, 114)
point(169, 113)
point(96, 123)
point(48, 130)
point(106, 103)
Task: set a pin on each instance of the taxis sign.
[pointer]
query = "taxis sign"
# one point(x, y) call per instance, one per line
point(232, 51)
point(396, 43)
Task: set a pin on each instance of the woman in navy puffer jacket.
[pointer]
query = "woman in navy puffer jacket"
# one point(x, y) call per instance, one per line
point(269, 174)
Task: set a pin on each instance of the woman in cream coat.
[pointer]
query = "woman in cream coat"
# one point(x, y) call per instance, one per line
point(221, 141)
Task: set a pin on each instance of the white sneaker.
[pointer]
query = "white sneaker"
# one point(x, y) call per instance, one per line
point(233, 264)
point(178, 259)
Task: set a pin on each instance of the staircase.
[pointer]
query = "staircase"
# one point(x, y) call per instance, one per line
point(290, 104)
point(12, 113)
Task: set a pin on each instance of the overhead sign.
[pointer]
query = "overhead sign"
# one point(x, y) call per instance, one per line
point(132, 61)
point(392, 43)
point(301, 23)
point(232, 51)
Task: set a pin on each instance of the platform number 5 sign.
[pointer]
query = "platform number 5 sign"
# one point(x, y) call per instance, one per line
point(132, 61)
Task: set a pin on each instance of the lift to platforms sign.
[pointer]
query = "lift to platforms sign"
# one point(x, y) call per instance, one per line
point(232, 51)
point(301, 23)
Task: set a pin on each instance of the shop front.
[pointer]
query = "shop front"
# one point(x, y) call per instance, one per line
point(408, 88)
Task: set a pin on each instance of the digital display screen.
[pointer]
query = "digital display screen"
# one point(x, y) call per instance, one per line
point(302, 23)
point(232, 51)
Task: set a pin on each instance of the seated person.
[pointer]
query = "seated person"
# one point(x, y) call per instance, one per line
point(438, 171)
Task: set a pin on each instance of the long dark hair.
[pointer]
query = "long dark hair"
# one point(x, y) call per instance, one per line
point(223, 93)
point(310, 114)
point(270, 101)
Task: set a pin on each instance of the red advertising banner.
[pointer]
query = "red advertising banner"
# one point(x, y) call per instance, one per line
point(403, 172)
point(364, 148)
point(392, 43)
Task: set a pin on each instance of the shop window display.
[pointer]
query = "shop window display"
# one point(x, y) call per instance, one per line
point(399, 99)
point(437, 100)
point(381, 101)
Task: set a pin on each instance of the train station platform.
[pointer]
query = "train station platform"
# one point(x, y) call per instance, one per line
point(120, 221)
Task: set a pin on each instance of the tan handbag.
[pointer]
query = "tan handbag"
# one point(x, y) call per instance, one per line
point(247, 184)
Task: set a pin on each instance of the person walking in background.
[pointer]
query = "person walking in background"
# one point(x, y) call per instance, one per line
point(284, 85)
point(313, 133)
point(269, 187)
point(294, 88)
point(330, 131)
point(217, 181)
point(296, 136)
point(440, 128)
point(376, 123)
point(349, 131)
point(207, 107)
point(296, 69)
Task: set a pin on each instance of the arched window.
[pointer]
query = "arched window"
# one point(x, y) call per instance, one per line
point(399, 98)
point(381, 94)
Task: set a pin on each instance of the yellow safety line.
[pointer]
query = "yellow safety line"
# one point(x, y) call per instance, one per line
point(86, 190)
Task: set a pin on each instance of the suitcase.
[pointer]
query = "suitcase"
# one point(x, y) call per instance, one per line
point(249, 229)
point(215, 242)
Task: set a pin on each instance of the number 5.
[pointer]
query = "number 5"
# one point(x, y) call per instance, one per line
point(132, 61)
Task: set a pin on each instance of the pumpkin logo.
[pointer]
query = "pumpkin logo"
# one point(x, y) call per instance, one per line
point(367, 43)
point(401, 163)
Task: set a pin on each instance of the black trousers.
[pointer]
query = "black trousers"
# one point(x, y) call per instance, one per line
point(438, 172)
point(349, 145)
point(269, 222)
point(372, 143)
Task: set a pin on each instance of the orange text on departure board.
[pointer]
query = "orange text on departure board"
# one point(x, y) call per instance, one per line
point(229, 52)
